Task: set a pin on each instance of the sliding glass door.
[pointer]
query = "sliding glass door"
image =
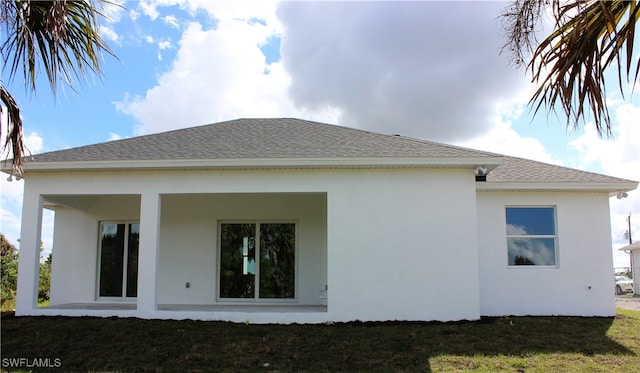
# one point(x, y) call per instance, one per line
point(257, 260)
point(119, 260)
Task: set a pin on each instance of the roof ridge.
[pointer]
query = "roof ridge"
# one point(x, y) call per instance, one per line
point(246, 138)
point(394, 136)
point(264, 119)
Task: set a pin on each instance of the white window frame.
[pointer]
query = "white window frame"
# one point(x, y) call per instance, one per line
point(554, 236)
point(256, 298)
point(125, 260)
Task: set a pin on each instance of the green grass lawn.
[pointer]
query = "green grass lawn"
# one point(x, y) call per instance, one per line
point(510, 344)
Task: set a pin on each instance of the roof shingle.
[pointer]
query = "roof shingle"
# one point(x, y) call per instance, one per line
point(259, 138)
point(287, 138)
point(519, 170)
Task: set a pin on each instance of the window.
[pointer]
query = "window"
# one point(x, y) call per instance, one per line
point(257, 260)
point(118, 260)
point(531, 236)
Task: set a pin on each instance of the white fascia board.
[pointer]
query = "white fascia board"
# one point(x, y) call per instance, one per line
point(613, 188)
point(488, 162)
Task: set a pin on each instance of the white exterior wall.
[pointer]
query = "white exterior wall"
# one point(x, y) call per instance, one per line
point(400, 243)
point(402, 246)
point(75, 241)
point(582, 282)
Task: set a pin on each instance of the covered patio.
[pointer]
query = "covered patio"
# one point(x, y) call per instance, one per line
point(170, 255)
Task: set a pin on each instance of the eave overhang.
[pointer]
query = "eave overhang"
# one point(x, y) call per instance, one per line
point(631, 247)
point(613, 188)
point(258, 163)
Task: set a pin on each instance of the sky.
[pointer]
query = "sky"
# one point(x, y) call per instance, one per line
point(425, 69)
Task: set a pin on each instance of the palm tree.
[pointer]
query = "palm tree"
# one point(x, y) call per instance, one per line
point(59, 36)
point(569, 64)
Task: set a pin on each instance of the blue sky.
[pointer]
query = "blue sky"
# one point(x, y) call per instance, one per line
point(431, 70)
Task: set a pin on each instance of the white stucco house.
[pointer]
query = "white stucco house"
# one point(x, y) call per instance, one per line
point(287, 220)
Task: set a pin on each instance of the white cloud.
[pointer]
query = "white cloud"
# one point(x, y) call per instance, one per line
point(33, 142)
point(133, 14)
point(165, 44)
point(113, 10)
point(422, 69)
point(220, 10)
point(149, 9)
point(172, 21)
point(109, 33)
point(618, 156)
point(232, 10)
point(11, 193)
point(378, 66)
point(11, 196)
point(185, 95)
point(503, 139)
point(114, 136)
point(9, 217)
point(218, 74)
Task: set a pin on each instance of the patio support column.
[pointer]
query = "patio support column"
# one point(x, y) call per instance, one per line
point(148, 251)
point(29, 262)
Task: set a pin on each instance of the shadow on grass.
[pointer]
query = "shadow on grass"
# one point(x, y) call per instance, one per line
point(129, 344)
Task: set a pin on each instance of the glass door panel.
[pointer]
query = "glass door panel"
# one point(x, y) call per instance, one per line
point(119, 260)
point(277, 260)
point(132, 260)
point(237, 260)
point(111, 259)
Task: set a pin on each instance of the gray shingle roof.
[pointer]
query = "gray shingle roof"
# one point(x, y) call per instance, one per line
point(286, 138)
point(259, 138)
point(519, 170)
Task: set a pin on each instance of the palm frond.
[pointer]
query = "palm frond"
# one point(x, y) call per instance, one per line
point(520, 22)
point(14, 138)
point(570, 63)
point(60, 37)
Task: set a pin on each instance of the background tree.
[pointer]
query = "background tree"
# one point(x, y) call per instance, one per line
point(60, 37)
point(569, 64)
point(8, 273)
point(44, 280)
